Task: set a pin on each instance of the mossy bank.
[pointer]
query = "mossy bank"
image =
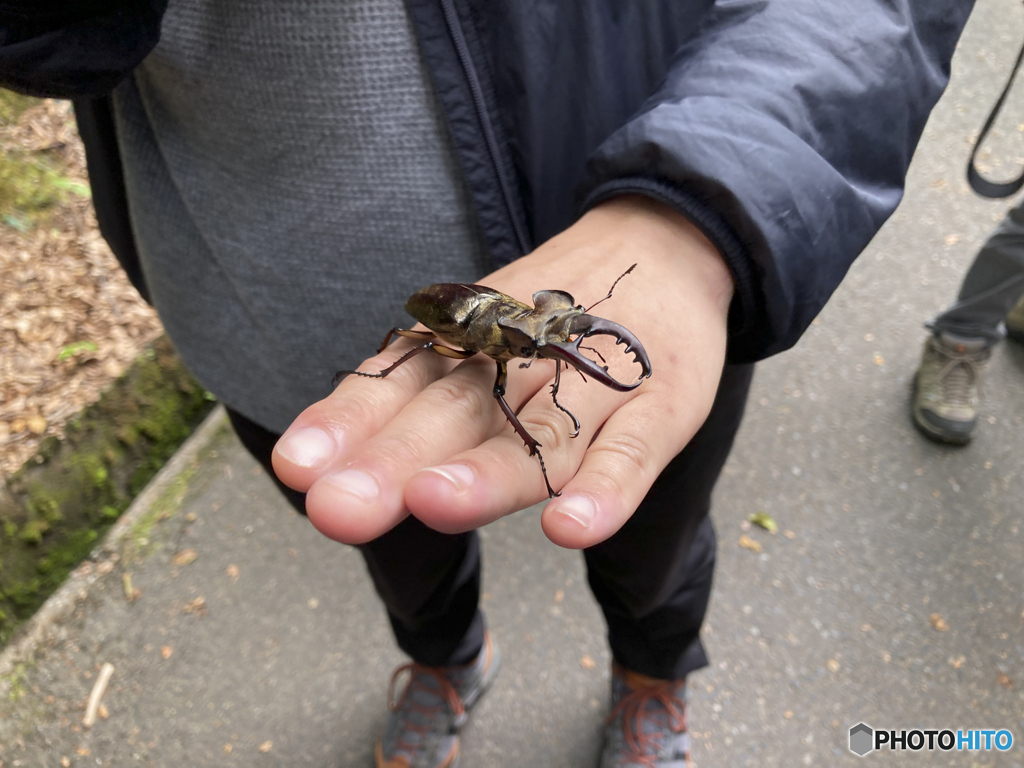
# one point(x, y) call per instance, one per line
point(56, 507)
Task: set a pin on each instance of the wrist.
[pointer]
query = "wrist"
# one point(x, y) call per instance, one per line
point(671, 239)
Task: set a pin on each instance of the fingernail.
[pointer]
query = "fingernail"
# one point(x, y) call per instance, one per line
point(309, 447)
point(356, 483)
point(579, 509)
point(458, 475)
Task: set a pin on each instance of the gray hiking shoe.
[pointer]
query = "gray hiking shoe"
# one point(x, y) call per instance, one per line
point(423, 724)
point(1015, 322)
point(945, 404)
point(647, 724)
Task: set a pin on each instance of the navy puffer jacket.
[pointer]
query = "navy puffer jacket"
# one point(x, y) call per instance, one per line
point(782, 128)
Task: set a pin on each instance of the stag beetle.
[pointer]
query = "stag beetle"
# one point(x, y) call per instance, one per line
point(480, 319)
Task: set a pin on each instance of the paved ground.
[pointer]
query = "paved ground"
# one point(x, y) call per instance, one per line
point(895, 599)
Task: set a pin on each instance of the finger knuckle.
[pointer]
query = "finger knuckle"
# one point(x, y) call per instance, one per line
point(549, 427)
point(461, 398)
point(627, 453)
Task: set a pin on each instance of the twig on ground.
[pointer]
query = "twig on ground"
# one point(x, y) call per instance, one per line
point(97, 693)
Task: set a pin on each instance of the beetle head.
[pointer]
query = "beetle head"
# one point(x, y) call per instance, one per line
point(583, 325)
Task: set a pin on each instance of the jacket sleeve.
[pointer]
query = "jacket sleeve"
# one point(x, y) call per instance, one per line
point(784, 130)
point(72, 49)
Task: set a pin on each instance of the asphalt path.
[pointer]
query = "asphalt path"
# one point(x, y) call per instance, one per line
point(890, 595)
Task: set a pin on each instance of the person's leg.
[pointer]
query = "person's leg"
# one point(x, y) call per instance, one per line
point(653, 578)
point(992, 286)
point(946, 386)
point(430, 584)
point(653, 581)
point(429, 581)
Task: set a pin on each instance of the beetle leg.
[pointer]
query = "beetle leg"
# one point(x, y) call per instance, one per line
point(458, 354)
point(407, 333)
point(554, 399)
point(531, 444)
point(596, 353)
point(529, 362)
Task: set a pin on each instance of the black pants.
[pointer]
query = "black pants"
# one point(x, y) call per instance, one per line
point(652, 578)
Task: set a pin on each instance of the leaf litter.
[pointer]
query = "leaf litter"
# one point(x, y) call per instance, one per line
point(70, 321)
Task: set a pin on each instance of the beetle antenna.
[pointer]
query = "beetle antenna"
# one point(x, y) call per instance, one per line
point(611, 289)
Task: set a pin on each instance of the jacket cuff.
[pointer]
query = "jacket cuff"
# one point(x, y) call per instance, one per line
point(748, 317)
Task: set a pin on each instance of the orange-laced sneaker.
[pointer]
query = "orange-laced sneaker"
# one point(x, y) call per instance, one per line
point(647, 724)
point(423, 723)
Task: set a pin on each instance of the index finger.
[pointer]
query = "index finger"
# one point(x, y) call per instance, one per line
point(323, 434)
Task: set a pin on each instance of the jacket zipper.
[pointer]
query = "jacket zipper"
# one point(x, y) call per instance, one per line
point(504, 183)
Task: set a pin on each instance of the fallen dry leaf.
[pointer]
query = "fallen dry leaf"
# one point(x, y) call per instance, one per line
point(83, 751)
point(313, 603)
point(266, 746)
point(232, 572)
point(166, 651)
point(957, 662)
point(587, 663)
point(191, 517)
point(227, 749)
point(184, 557)
point(951, 239)
point(1004, 681)
point(559, 596)
point(103, 712)
point(65, 761)
point(197, 606)
point(833, 665)
point(938, 622)
point(788, 714)
point(789, 534)
point(748, 543)
point(878, 359)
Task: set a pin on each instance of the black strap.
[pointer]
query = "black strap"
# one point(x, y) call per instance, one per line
point(982, 186)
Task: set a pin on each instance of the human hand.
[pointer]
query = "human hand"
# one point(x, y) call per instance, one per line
point(430, 440)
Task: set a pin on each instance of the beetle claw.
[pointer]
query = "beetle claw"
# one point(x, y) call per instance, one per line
point(583, 326)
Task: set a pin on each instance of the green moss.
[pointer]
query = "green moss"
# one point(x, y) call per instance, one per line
point(12, 105)
point(62, 500)
point(139, 542)
point(32, 532)
point(43, 506)
point(128, 434)
point(15, 682)
point(27, 184)
point(61, 560)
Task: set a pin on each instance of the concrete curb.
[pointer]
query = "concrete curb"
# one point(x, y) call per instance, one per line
point(45, 624)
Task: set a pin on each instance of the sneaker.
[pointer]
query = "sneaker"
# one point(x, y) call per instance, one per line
point(423, 724)
point(1015, 322)
point(647, 724)
point(946, 397)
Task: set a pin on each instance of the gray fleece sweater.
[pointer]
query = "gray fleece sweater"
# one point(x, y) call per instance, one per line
point(290, 182)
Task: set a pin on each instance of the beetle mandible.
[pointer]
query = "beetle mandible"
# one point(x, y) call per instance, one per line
point(480, 319)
